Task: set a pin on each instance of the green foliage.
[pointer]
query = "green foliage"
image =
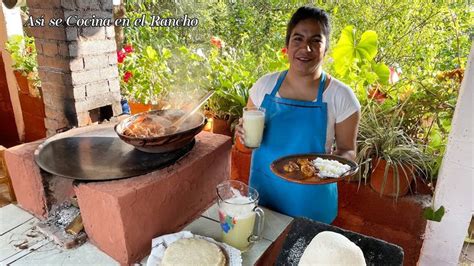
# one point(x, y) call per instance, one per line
point(157, 75)
point(430, 214)
point(423, 40)
point(382, 137)
point(231, 69)
point(418, 39)
point(23, 52)
point(232, 77)
point(354, 61)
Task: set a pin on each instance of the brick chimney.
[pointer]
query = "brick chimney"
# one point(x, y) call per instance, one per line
point(77, 65)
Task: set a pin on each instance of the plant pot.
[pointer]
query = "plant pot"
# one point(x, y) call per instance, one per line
point(221, 126)
point(136, 107)
point(390, 186)
point(241, 147)
point(22, 82)
point(240, 165)
point(33, 116)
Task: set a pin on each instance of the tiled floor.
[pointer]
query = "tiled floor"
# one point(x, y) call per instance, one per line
point(18, 227)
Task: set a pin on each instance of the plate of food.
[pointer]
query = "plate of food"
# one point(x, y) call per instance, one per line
point(313, 168)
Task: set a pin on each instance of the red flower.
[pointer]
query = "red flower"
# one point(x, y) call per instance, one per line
point(377, 95)
point(127, 76)
point(216, 42)
point(121, 56)
point(128, 48)
point(284, 50)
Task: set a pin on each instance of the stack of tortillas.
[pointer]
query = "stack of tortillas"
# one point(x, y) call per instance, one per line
point(192, 251)
point(330, 248)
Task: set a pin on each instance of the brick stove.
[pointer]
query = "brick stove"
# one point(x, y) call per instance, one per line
point(77, 66)
point(80, 85)
point(121, 217)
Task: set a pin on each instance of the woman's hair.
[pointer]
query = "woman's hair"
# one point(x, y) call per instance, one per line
point(308, 12)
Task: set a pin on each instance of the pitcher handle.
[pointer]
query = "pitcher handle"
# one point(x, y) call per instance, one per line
point(260, 222)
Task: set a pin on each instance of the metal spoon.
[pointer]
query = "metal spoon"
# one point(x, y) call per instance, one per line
point(183, 118)
point(355, 167)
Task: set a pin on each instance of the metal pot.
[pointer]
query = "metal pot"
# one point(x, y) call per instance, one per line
point(165, 143)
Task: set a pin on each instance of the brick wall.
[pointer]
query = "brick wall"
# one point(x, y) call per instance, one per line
point(77, 65)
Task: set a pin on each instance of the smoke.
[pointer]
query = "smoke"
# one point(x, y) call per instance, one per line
point(190, 72)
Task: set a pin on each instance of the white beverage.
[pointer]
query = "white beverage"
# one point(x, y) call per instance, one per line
point(254, 122)
point(240, 208)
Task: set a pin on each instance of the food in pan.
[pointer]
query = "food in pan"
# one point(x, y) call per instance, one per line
point(146, 126)
point(192, 251)
point(150, 125)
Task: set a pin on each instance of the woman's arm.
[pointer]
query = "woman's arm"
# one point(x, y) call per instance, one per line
point(250, 103)
point(346, 136)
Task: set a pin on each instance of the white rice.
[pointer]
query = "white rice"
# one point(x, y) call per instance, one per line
point(330, 168)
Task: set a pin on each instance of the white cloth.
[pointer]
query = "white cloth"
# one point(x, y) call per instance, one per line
point(340, 99)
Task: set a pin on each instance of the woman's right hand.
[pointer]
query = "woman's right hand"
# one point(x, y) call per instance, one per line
point(239, 131)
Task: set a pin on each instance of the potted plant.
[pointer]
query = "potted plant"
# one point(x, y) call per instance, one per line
point(23, 52)
point(139, 76)
point(231, 77)
point(160, 78)
point(396, 157)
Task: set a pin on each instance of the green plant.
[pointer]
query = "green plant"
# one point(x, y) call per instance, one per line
point(233, 72)
point(354, 61)
point(150, 75)
point(23, 52)
point(381, 137)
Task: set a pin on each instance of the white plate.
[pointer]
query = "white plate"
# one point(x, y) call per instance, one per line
point(159, 244)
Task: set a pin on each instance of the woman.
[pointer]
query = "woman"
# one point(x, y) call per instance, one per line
point(306, 111)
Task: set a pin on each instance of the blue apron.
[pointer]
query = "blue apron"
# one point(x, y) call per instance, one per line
point(292, 127)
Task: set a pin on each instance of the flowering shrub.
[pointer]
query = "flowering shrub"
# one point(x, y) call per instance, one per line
point(145, 74)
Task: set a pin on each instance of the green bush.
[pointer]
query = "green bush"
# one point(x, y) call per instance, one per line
point(23, 52)
point(419, 40)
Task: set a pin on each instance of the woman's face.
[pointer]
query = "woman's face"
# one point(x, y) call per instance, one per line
point(306, 47)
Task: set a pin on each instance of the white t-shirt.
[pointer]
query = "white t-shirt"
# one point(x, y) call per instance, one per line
point(340, 99)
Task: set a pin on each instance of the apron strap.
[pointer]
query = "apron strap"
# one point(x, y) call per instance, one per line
point(322, 82)
point(281, 77)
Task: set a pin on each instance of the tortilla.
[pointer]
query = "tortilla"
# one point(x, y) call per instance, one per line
point(330, 248)
point(192, 251)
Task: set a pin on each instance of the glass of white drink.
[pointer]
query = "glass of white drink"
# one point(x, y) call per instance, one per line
point(237, 214)
point(253, 124)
